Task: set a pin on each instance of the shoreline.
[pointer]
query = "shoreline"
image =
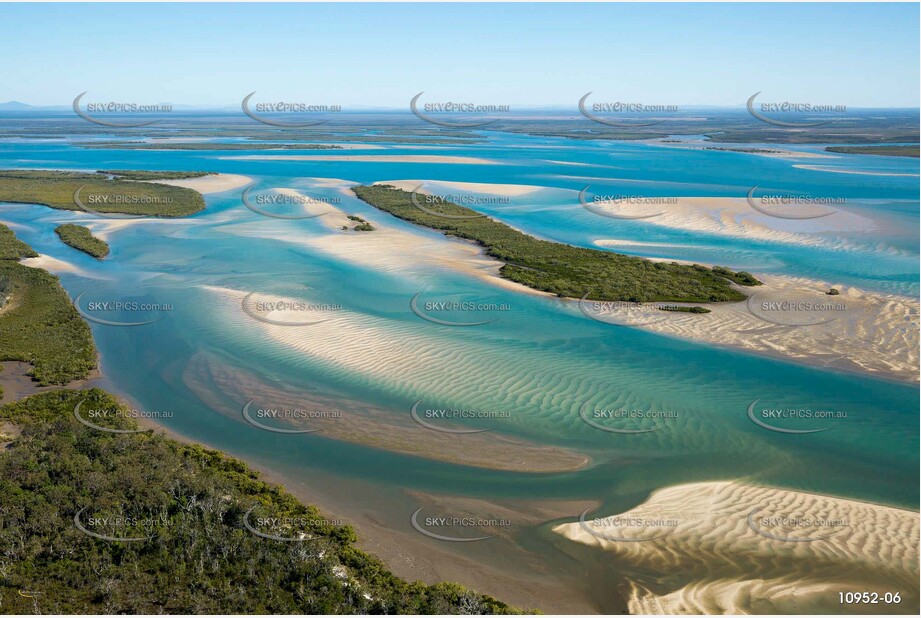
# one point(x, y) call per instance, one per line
point(406, 553)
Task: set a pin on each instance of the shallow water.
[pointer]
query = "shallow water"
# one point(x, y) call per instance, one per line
point(539, 362)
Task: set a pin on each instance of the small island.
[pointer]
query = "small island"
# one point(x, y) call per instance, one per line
point(105, 191)
point(79, 237)
point(561, 269)
point(888, 151)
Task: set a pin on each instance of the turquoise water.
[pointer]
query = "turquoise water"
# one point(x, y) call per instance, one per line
point(540, 362)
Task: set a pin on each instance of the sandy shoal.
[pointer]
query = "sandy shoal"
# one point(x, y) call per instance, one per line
point(731, 547)
point(362, 345)
point(391, 248)
point(54, 265)
point(432, 186)
point(819, 168)
point(727, 216)
point(215, 183)
point(371, 158)
point(877, 333)
point(873, 333)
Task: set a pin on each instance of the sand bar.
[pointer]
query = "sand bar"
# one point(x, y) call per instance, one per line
point(730, 547)
point(371, 158)
point(861, 331)
point(214, 183)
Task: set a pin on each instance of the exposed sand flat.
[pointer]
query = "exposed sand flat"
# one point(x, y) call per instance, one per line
point(215, 183)
point(327, 214)
point(706, 552)
point(365, 423)
point(433, 186)
point(331, 182)
point(874, 333)
point(735, 217)
point(371, 158)
point(388, 248)
point(51, 264)
point(819, 168)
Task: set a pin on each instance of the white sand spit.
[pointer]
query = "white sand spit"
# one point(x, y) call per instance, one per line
point(205, 185)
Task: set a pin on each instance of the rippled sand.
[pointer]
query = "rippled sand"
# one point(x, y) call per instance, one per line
point(734, 217)
point(729, 547)
point(367, 424)
point(874, 332)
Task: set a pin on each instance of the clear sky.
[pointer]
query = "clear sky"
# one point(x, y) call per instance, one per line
point(380, 55)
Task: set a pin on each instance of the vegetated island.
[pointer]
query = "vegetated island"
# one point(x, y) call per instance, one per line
point(362, 225)
point(179, 518)
point(106, 191)
point(80, 237)
point(561, 269)
point(888, 151)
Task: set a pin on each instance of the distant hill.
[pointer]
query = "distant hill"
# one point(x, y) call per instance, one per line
point(15, 106)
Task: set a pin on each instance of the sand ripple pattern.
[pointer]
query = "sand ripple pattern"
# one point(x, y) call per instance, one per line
point(713, 561)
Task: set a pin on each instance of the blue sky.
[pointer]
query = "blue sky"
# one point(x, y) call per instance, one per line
point(380, 55)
